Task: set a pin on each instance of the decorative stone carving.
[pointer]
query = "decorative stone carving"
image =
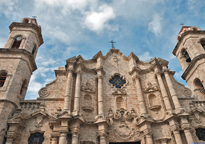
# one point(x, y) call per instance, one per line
point(39, 121)
point(117, 91)
point(154, 103)
point(43, 92)
point(187, 92)
point(151, 87)
point(122, 115)
point(88, 87)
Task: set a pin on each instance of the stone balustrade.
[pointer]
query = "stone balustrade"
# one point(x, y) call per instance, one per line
point(197, 103)
point(30, 104)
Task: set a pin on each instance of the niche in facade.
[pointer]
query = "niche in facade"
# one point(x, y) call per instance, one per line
point(120, 102)
point(154, 102)
point(87, 103)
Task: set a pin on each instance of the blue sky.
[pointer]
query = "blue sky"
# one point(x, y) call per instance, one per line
point(83, 27)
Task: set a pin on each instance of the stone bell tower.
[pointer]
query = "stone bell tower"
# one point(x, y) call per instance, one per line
point(17, 63)
point(190, 51)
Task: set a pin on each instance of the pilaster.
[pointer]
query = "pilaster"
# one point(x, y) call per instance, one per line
point(77, 94)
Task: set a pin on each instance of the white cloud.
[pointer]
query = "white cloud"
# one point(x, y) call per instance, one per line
point(97, 21)
point(178, 75)
point(145, 56)
point(155, 25)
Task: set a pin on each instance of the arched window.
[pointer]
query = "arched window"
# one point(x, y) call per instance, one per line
point(2, 78)
point(186, 55)
point(17, 42)
point(36, 138)
point(34, 49)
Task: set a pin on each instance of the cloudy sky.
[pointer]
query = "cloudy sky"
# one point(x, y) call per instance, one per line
point(83, 27)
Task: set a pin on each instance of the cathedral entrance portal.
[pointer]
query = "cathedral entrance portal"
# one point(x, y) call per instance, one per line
point(125, 143)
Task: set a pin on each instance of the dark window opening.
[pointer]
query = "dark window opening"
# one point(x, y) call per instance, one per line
point(17, 42)
point(34, 49)
point(36, 138)
point(117, 81)
point(2, 78)
point(203, 45)
point(199, 85)
point(186, 55)
point(200, 133)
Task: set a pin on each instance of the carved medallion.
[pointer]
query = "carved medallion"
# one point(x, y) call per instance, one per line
point(43, 92)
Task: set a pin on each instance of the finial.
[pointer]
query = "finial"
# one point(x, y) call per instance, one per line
point(112, 43)
point(34, 17)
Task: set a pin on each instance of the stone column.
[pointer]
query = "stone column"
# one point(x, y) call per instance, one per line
point(75, 134)
point(177, 137)
point(140, 95)
point(100, 96)
point(63, 137)
point(188, 136)
point(103, 136)
point(149, 139)
point(77, 94)
point(67, 99)
point(10, 137)
point(186, 127)
point(172, 90)
point(54, 140)
point(164, 92)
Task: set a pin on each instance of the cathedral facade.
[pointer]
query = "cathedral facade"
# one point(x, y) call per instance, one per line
point(104, 100)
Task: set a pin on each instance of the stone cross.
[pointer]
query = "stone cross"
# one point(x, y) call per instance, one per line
point(112, 43)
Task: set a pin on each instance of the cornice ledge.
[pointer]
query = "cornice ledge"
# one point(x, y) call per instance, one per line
point(21, 51)
point(163, 62)
point(191, 65)
point(31, 25)
point(71, 60)
point(135, 69)
point(84, 68)
point(182, 37)
point(58, 72)
point(132, 55)
point(100, 69)
point(97, 55)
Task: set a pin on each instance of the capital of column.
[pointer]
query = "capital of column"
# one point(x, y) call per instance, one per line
point(185, 126)
point(100, 77)
point(102, 133)
point(135, 75)
point(75, 132)
point(174, 128)
point(79, 72)
point(70, 71)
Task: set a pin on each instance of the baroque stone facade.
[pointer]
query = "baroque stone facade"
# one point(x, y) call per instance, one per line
point(107, 99)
